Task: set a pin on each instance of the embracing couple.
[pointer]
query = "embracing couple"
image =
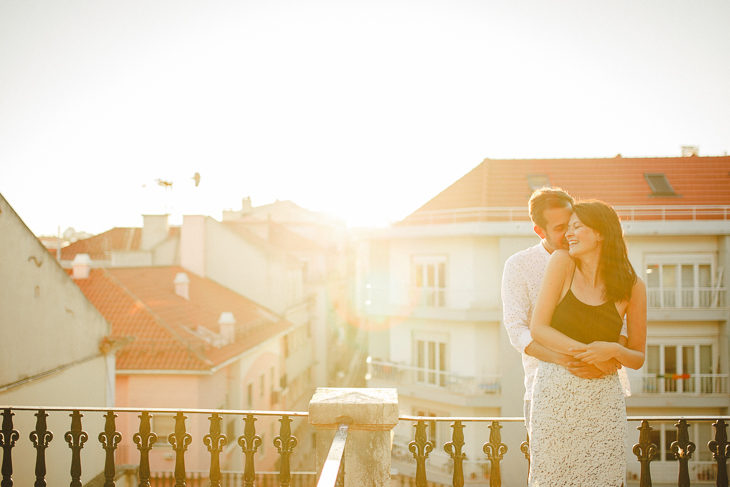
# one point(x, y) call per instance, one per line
point(576, 310)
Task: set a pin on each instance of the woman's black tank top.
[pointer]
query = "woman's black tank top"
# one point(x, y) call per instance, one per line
point(587, 323)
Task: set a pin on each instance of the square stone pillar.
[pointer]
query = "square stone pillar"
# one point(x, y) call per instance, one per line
point(371, 414)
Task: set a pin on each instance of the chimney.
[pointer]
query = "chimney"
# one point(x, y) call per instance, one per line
point(227, 323)
point(155, 230)
point(246, 206)
point(690, 150)
point(182, 285)
point(81, 266)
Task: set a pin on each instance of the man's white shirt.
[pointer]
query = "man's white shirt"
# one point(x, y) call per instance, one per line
point(521, 279)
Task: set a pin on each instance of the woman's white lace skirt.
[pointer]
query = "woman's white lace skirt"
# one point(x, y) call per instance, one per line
point(577, 430)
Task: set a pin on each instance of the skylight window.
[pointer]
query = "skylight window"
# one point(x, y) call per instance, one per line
point(537, 181)
point(659, 184)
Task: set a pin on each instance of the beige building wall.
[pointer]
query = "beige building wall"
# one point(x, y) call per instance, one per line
point(50, 349)
point(212, 250)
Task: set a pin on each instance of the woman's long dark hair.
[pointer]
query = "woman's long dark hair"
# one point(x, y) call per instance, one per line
point(614, 268)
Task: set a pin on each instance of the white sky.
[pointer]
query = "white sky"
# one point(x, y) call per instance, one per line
point(362, 109)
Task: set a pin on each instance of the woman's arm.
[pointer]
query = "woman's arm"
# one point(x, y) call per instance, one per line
point(632, 354)
point(558, 269)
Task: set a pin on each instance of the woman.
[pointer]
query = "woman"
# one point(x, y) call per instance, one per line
point(578, 425)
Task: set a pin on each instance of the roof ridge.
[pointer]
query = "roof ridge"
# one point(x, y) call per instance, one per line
point(159, 320)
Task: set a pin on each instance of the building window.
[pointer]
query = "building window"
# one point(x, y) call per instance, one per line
point(431, 362)
point(682, 282)
point(262, 383)
point(682, 368)
point(163, 425)
point(272, 377)
point(659, 184)
point(249, 396)
point(429, 280)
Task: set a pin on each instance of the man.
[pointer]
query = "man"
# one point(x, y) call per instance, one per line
point(550, 210)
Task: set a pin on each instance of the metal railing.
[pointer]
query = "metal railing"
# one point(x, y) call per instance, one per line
point(487, 462)
point(494, 450)
point(697, 384)
point(333, 469)
point(144, 438)
point(456, 383)
point(626, 213)
point(700, 297)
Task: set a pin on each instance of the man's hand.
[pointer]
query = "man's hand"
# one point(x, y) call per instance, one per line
point(584, 370)
point(591, 371)
point(596, 352)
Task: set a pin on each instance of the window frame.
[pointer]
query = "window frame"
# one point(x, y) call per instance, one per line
point(430, 296)
point(674, 296)
point(679, 343)
point(425, 374)
point(659, 187)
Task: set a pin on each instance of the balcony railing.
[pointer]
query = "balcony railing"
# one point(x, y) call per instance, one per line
point(431, 457)
point(144, 438)
point(697, 384)
point(626, 213)
point(700, 297)
point(395, 374)
point(487, 468)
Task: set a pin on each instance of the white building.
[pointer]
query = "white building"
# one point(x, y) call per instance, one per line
point(429, 288)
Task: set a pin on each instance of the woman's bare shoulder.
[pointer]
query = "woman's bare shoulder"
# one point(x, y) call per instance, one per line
point(561, 263)
point(561, 258)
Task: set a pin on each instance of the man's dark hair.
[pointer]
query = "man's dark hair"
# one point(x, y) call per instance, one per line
point(547, 198)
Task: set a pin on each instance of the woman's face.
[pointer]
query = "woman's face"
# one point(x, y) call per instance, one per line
point(581, 238)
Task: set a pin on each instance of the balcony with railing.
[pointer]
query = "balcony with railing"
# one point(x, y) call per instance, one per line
point(354, 446)
point(695, 297)
point(473, 390)
point(626, 213)
point(694, 384)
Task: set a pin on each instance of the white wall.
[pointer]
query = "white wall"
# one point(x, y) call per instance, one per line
point(50, 349)
point(473, 269)
point(46, 320)
point(213, 250)
point(78, 386)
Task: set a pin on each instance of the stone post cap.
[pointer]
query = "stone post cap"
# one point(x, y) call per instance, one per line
point(369, 408)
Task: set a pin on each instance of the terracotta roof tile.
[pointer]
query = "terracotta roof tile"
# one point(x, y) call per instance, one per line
point(618, 181)
point(141, 302)
point(99, 246)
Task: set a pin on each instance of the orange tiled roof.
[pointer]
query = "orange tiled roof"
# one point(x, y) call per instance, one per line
point(618, 181)
point(140, 302)
point(99, 246)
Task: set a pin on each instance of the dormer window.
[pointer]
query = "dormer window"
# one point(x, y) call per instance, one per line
point(537, 181)
point(659, 184)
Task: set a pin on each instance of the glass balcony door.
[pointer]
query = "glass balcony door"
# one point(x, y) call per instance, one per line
point(680, 285)
point(677, 368)
point(429, 280)
point(431, 362)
